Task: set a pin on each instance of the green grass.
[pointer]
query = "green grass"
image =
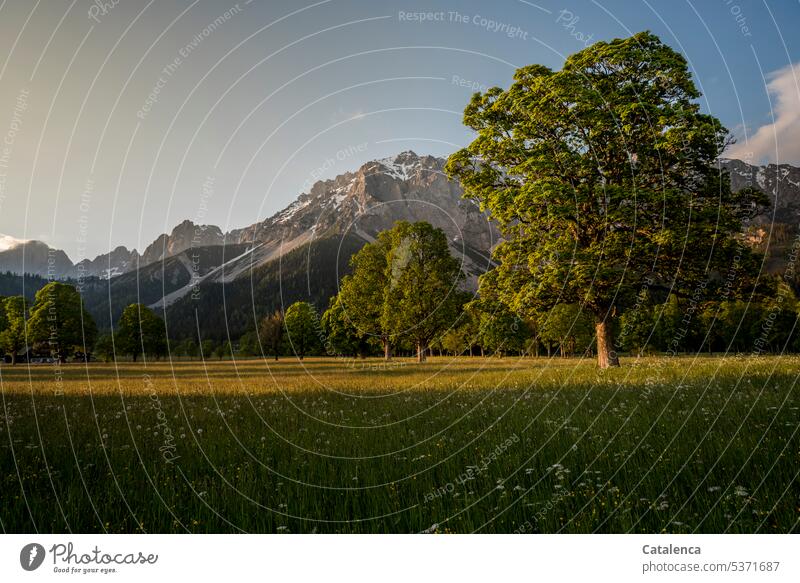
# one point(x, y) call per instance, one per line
point(469, 444)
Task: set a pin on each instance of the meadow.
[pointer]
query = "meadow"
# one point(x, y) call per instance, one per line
point(455, 445)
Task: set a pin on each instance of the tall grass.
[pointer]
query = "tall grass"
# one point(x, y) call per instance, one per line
point(454, 445)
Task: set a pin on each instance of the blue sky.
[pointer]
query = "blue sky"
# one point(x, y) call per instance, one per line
point(127, 119)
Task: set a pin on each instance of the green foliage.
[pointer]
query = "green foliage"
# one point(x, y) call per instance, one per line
point(248, 344)
point(104, 347)
point(765, 323)
point(141, 331)
point(185, 348)
point(342, 336)
point(362, 295)
point(190, 348)
point(674, 328)
point(59, 322)
point(463, 335)
point(271, 334)
point(567, 327)
point(13, 312)
point(223, 350)
point(3, 317)
point(302, 325)
point(500, 331)
point(603, 178)
point(207, 348)
point(421, 297)
point(403, 290)
point(636, 324)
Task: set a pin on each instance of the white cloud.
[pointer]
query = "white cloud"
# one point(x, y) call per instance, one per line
point(346, 115)
point(7, 242)
point(778, 141)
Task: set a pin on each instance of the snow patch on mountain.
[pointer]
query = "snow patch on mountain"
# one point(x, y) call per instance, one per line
point(397, 168)
point(290, 211)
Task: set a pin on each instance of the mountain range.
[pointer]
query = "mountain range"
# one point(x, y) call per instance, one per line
point(201, 277)
point(363, 202)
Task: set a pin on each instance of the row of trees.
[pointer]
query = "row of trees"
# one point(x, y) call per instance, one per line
point(763, 324)
point(490, 329)
point(55, 324)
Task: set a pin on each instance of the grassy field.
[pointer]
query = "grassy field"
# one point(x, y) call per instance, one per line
point(454, 445)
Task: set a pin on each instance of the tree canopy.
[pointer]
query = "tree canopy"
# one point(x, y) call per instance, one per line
point(342, 336)
point(140, 331)
point(302, 324)
point(422, 297)
point(362, 294)
point(271, 333)
point(59, 321)
point(404, 289)
point(13, 312)
point(603, 177)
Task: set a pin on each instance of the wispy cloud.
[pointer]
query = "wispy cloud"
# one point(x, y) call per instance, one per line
point(346, 115)
point(778, 141)
point(7, 242)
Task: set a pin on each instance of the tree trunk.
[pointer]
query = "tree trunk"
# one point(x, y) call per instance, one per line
point(387, 349)
point(421, 353)
point(13, 358)
point(606, 355)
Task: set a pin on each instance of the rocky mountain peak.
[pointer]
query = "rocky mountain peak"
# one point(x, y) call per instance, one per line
point(781, 182)
point(364, 202)
point(184, 236)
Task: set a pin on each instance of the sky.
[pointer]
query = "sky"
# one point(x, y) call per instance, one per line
point(121, 118)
